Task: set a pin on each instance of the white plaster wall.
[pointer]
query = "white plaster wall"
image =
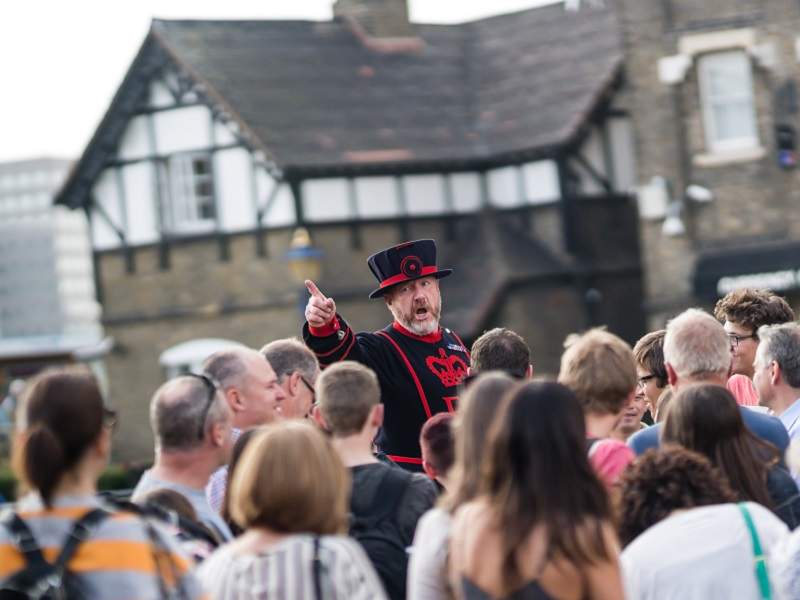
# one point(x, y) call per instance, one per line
point(376, 197)
point(541, 182)
point(139, 181)
point(183, 129)
point(160, 96)
point(281, 211)
point(424, 194)
point(326, 200)
point(233, 173)
point(105, 194)
point(223, 134)
point(466, 190)
point(622, 146)
point(135, 142)
point(504, 189)
point(592, 151)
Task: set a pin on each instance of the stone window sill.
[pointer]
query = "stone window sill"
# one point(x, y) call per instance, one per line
point(717, 159)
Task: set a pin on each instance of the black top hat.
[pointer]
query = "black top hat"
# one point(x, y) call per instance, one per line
point(404, 262)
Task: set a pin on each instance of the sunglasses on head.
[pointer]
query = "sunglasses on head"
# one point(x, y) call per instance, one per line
point(212, 386)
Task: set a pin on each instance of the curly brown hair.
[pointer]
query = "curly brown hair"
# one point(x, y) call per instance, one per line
point(753, 308)
point(662, 481)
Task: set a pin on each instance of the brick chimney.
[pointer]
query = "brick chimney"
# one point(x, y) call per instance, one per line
point(376, 18)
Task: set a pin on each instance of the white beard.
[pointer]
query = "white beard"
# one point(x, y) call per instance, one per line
point(428, 327)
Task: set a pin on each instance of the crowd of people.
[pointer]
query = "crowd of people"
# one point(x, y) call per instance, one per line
point(413, 467)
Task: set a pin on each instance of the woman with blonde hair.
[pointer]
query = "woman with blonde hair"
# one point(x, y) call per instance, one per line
point(289, 493)
point(478, 405)
point(540, 527)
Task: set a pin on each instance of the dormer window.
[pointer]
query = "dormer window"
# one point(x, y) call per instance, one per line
point(188, 192)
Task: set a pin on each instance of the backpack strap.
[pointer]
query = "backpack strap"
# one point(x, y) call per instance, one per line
point(80, 532)
point(23, 539)
point(391, 490)
point(316, 566)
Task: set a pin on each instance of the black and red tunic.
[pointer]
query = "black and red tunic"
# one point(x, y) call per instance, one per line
point(418, 375)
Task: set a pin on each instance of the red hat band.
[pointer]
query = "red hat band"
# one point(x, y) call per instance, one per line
point(406, 275)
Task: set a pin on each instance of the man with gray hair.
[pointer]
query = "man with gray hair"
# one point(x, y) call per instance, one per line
point(192, 426)
point(297, 369)
point(697, 350)
point(254, 396)
point(777, 373)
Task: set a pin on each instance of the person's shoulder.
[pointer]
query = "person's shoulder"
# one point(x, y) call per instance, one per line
point(421, 483)
point(644, 439)
point(766, 426)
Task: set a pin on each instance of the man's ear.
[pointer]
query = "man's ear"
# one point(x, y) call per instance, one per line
point(234, 399)
point(429, 470)
point(220, 431)
point(775, 373)
point(672, 376)
point(376, 416)
point(529, 371)
point(316, 416)
point(294, 383)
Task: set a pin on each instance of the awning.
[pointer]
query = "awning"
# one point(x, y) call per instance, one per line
point(55, 348)
point(772, 266)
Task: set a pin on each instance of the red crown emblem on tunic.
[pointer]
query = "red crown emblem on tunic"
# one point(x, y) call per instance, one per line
point(449, 369)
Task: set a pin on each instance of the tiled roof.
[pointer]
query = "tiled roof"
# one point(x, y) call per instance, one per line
point(315, 95)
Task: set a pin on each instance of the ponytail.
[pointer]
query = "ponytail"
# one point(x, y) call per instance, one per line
point(43, 461)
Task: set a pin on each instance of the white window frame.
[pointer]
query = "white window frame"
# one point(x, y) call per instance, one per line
point(183, 206)
point(714, 144)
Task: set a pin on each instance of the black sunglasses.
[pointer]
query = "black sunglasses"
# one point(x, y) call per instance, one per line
point(308, 385)
point(212, 385)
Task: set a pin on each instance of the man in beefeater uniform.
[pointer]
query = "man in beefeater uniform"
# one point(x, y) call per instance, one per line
point(419, 363)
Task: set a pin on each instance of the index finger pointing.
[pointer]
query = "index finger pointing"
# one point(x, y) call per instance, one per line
point(314, 290)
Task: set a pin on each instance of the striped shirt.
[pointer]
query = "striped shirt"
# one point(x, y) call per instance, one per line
point(218, 483)
point(117, 561)
point(285, 572)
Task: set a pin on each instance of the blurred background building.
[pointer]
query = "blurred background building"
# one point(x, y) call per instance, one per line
point(507, 139)
point(713, 95)
point(48, 311)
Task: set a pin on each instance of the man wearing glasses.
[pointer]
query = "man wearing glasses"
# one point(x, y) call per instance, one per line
point(297, 370)
point(741, 313)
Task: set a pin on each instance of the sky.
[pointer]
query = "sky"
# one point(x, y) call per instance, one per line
point(62, 60)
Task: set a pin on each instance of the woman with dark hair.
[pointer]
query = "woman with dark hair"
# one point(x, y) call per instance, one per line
point(62, 446)
point(541, 525)
point(705, 418)
point(686, 539)
point(477, 407)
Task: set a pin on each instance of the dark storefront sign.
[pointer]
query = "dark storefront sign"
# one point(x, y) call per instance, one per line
point(774, 266)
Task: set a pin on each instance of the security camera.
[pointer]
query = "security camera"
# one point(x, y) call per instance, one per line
point(698, 193)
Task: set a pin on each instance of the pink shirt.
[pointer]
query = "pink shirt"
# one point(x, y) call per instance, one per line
point(743, 390)
point(610, 458)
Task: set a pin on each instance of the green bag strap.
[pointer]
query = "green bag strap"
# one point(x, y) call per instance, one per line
point(758, 555)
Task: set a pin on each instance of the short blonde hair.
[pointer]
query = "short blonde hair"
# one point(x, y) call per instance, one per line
point(290, 480)
point(600, 369)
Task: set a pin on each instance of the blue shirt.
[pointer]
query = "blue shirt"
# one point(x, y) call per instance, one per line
point(768, 428)
point(791, 419)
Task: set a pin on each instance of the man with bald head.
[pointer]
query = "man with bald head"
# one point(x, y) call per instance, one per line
point(254, 395)
point(697, 350)
point(192, 427)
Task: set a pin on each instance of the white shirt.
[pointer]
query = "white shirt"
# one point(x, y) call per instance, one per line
point(701, 554)
point(427, 568)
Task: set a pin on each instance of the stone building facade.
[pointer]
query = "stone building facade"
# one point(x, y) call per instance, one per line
point(713, 94)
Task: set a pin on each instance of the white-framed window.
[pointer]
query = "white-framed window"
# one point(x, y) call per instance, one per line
point(188, 192)
point(726, 94)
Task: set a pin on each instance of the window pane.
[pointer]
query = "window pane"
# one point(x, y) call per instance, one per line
point(733, 121)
